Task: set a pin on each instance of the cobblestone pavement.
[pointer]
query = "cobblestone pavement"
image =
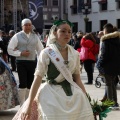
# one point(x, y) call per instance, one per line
point(96, 93)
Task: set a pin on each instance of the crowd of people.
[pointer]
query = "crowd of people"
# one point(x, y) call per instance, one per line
point(60, 57)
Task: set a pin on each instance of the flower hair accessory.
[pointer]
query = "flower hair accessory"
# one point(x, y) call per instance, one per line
point(59, 22)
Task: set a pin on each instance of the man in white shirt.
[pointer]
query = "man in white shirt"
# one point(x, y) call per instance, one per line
point(24, 45)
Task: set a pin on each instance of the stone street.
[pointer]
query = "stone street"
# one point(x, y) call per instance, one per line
point(95, 93)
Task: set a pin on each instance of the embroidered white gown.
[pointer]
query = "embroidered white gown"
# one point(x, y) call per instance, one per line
point(54, 104)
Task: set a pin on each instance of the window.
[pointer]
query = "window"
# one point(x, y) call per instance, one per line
point(74, 7)
point(9, 2)
point(73, 10)
point(102, 23)
point(80, 5)
point(45, 17)
point(88, 26)
point(48, 26)
point(118, 5)
point(55, 2)
point(55, 17)
point(118, 23)
point(75, 27)
point(74, 2)
point(89, 3)
point(45, 2)
point(103, 4)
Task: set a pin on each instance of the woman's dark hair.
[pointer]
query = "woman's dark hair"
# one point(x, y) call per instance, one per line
point(115, 28)
point(75, 36)
point(90, 37)
point(109, 28)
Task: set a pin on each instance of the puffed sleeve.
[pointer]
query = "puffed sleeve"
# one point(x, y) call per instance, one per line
point(42, 65)
point(12, 47)
point(77, 67)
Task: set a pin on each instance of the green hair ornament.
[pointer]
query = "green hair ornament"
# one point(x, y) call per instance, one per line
point(59, 22)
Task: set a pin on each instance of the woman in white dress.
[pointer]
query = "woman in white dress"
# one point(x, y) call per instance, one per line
point(62, 96)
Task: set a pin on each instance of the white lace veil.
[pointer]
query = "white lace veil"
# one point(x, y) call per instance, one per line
point(51, 37)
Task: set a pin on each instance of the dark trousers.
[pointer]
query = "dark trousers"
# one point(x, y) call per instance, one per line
point(111, 91)
point(13, 63)
point(5, 57)
point(26, 73)
point(88, 65)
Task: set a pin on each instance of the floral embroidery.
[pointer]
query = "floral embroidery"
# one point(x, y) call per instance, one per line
point(8, 91)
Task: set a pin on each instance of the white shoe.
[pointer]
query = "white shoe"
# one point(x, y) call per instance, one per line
point(115, 107)
point(27, 93)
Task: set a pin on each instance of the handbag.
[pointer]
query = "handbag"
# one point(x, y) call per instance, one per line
point(84, 53)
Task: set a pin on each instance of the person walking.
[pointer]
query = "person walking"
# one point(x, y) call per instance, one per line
point(24, 45)
point(77, 45)
point(62, 96)
point(88, 42)
point(100, 34)
point(3, 46)
point(12, 58)
point(108, 63)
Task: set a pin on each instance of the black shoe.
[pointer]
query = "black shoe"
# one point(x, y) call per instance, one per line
point(115, 107)
point(13, 70)
point(88, 83)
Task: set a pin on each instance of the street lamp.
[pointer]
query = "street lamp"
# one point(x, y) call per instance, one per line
point(86, 10)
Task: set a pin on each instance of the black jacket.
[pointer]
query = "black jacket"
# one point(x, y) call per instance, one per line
point(109, 61)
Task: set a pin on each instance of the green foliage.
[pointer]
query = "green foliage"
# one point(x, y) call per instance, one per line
point(100, 108)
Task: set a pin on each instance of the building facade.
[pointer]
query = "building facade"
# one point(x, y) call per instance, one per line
point(99, 13)
point(11, 12)
point(53, 10)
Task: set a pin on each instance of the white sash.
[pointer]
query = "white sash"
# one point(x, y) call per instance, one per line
point(58, 61)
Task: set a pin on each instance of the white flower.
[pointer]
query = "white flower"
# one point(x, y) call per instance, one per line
point(99, 103)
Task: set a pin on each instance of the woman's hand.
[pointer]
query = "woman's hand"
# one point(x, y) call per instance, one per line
point(25, 53)
point(34, 88)
point(26, 113)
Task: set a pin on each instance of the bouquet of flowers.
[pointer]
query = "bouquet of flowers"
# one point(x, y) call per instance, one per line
point(100, 108)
